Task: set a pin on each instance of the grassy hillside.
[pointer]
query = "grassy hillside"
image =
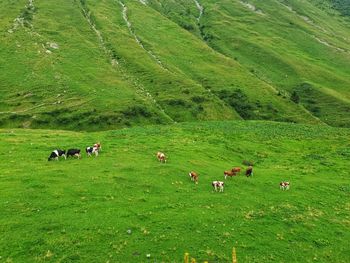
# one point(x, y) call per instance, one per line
point(283, 43)
point(108, 64)
point(81, 210)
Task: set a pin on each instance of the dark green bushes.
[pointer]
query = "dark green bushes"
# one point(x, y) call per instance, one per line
point(238, 100)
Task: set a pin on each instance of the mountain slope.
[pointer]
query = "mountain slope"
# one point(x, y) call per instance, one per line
point(288, 44)
point(91, 65)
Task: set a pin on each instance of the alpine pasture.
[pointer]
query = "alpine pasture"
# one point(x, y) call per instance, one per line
point(212, 84)
point(125, 204)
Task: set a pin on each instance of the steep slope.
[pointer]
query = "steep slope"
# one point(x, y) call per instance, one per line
point(56, 72)
point(91, 65)
point(288, 44)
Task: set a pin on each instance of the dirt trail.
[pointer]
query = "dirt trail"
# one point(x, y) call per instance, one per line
point(107, 51)
point(138, 41)
point(200, 9)
point(140, 89)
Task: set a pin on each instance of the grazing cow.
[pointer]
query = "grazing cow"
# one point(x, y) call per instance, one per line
point(249, 171)
point(161, 157)
point(57, 153)
point(284, 185)
point(74, 152)
point(194, 177)
point(91, 150)
point(218, 185)
point(236, 169)
point(229, 173)
point(98, 146)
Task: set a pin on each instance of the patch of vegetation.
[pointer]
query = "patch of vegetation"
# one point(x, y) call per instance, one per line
point(343, 6)
point(238, 100)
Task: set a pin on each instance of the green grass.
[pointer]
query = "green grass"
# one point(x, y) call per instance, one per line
point(99, 72)
point(283, 47)
point(80, 210)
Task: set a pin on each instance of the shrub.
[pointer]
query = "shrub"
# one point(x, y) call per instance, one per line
point(135, 111)
point(198, 99)
point(238, 100)
point(177, 102)
point(295, 97)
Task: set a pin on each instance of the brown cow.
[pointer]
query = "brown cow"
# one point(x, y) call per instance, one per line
point(161, 157)
point(230, 173)
point(194, 176)
point(236, 169)
point(249, 171)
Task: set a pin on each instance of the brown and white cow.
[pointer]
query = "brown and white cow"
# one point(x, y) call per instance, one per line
point(284, 185)
point(194, 177)
point(229, 173)
point(218, 186)
point(161, 157)
point(98, 146)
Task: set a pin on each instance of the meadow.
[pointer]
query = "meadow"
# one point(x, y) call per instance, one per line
point(82, 210)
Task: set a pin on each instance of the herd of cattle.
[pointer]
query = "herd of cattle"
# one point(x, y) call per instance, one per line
point(218, 186)
point(90, 150)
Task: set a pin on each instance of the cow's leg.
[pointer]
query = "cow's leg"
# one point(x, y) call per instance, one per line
point(65, 157)
point(56, 158)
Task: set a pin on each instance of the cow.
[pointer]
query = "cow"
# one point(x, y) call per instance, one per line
point(194, 176)
point(161, 157)
point(236, 169)
point(284, 185)
point(218, 185)
point(229, 173)
point(91, 150)
point(57, 153)
point(74, 152)
point(249, 171)
point(98, 146)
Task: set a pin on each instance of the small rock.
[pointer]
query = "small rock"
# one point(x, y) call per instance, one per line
point(52, 45)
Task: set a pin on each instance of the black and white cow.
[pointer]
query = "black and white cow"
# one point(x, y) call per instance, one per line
point(92, 150)
point(74, 152)
point(218, 185)
point(57, 153)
